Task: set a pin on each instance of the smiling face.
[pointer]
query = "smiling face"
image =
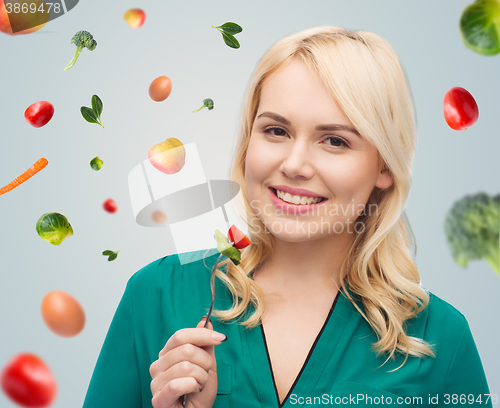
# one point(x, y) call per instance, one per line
point(301, 139)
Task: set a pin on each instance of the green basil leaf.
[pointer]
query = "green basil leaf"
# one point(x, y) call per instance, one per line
point(89, 115)
point(108, 252)
point(232, 253)
point(113, 257)
point(231, 28)
point(97, 106)
point(230, 40)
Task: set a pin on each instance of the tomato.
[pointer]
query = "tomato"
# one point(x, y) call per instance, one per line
point(39, 114)
point(460, 109)
point(240, 240)
point(110, 206)
point(28, 381)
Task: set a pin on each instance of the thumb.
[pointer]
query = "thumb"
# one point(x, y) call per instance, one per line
point(209, 349)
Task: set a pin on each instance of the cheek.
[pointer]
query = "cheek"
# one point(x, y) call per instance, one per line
point(258, 162)
point(351, 178)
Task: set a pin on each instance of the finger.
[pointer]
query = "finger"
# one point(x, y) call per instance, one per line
point(186, 352)
point(171, 392)
point(209, 349)
point(197, 336)
point(208, 359)
point(201, 324)
point(179, 370)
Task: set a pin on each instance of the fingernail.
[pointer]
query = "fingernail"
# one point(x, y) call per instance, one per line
point(205, 318)
point(219, 336)
point(200, 387)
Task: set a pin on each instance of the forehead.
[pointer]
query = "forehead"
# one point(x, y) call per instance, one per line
point(297, 92)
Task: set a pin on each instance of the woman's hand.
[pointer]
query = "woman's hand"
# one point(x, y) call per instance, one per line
point(186, 363)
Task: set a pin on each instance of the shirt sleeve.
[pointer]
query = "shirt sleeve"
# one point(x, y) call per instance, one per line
point(466, 378)
point(115, 381)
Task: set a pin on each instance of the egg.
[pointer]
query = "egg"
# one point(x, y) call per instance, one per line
point(63, 314)
point(160, 88)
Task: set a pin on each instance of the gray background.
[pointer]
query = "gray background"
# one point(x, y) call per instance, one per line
point(177, 41)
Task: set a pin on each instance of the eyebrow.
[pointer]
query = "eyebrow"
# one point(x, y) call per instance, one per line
point(281, 119)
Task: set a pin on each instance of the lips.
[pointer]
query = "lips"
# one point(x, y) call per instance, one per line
point(297, 191)
point(293, 208)
point(275, 192)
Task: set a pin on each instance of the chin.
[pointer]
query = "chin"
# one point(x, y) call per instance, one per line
point(298, 237)
point(293, 231)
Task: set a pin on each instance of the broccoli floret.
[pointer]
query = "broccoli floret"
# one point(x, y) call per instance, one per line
point(82, 39)
point(472, 228)
point(207, 103)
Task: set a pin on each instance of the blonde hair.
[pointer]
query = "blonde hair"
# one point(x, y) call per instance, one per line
point(364, 76)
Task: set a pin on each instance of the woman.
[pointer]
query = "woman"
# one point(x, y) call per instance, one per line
point(325, 306)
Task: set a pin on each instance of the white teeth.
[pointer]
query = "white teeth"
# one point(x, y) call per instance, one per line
point(296, 199)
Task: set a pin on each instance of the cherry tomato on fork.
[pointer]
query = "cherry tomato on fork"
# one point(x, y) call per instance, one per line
point(240, 240)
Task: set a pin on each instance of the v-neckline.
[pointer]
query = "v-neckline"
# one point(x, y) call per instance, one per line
point(325, 344)
point(311, 350)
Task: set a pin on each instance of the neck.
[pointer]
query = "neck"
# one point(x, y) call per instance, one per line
point(302, 269)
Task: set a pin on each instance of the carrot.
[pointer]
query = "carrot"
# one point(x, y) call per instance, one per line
point(39, 165)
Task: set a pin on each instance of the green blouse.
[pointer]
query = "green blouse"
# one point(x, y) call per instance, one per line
point(340, 369)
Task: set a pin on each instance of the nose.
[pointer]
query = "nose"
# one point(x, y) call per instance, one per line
point(297, 161)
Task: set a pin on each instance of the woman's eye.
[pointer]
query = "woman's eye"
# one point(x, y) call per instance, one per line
point(278, 131)
point(337, 142)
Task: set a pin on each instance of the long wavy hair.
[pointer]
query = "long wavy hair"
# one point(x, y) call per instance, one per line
point(364, 76)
